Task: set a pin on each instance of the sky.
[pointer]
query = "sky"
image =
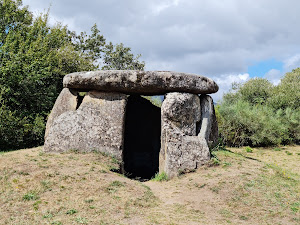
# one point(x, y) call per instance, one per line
point(228, 41)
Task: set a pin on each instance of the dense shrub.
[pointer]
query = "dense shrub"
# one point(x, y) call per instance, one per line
point(287, 93)
point(259, 114)
point(243, 124)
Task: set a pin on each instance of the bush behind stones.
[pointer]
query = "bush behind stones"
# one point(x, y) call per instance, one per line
point(257, 113)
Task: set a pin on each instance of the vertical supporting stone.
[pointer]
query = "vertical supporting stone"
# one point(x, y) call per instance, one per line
point(209, 125)
point(181, 149)
point(97, 125)
point(65, 102)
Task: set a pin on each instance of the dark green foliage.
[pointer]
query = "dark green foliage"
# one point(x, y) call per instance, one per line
point(12, 128)
point(119, 57)
point(259, 114)
point(287, 93)
point(255, 91)
point(12, 17)
point(243, 124)
point(91, 45)
point(34, 57)
point(33, 61)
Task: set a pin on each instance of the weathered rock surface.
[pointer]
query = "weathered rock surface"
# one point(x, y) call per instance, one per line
point(97, 125)
point(140, 82)
point(65, 102)
point(181, 150)
point(181, 111)
point(183, 154)
point(209, 125)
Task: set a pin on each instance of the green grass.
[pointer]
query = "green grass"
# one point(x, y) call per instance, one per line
point(31, 195)
point(214, 161)
point(160, 177)
point(225, 164)
point(89, 200)
point(288, 153)
point(81, 220)
point(248, 149)
point(114, 186)
point(71, 211)
point(56, 223)
point(148, 199)
point(48, 215)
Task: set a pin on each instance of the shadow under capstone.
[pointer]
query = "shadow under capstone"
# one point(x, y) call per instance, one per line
point(141, 138)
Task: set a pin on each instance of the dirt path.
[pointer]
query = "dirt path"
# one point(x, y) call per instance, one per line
point(205, 192)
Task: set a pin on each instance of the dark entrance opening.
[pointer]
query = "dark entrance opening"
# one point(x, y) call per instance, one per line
point(141, 138)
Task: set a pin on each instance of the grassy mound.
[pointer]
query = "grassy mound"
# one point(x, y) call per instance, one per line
point(261, 186)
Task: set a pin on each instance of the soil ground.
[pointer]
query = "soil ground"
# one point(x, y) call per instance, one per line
point(238, 187)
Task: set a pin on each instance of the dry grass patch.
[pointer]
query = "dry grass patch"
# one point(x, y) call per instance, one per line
point(286, 157)
point(67, 188)
point(74, 188)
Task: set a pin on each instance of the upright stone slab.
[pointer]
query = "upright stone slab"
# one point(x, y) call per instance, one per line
point(97, 125)
point(182, 150)
point(209, 125)
point(65, 102)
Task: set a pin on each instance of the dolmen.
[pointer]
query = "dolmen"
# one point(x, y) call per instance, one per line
point(107, 112)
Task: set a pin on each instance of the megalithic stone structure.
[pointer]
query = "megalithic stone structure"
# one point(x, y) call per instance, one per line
point(112, 118)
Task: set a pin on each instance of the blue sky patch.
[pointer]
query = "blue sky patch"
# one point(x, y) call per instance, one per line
point(259, 69)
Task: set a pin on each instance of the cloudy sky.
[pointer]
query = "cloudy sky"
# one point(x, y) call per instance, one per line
point(228, 40)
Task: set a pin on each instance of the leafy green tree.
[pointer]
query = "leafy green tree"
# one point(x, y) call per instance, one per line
point(287, 93)
point(33, 61)
point(34, 57)
point(92, 46)
point(259, 114)
point(119, 57)
point(12, 17)
point(255, 91)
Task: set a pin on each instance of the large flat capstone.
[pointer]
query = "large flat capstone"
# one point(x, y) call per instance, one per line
point(140, 82)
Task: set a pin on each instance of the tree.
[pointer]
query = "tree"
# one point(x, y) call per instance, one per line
point(255, 91)
point(12, 17)
point(92, 46)
point(259, 114)
point(287, 93)
point(119, 57)
point(34, 57)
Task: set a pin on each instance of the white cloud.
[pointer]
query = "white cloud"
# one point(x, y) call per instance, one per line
point(225, 83)
point(289, 64)
point(292, 63)
point(274, 76)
